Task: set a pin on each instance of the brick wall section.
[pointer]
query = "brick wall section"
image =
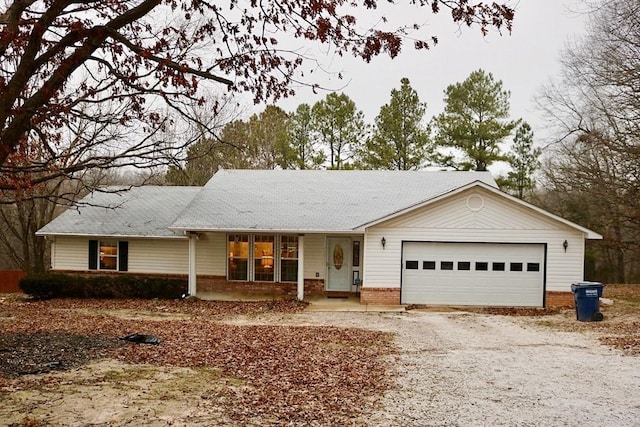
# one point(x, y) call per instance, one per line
point(276, 289)
point(314, 287)
point(386, 296)
point(221, 284)
point(556, 299)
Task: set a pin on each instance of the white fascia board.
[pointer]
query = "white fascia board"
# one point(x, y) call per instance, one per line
point(109, 236)
point(265, 230)
point(589, 234)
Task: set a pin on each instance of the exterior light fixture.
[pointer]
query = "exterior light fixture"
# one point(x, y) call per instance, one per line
point(384, 242)
point(565, 245)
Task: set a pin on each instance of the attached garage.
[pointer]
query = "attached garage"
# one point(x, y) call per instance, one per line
point(473, 274)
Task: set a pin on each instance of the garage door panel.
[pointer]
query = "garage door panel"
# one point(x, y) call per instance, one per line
point(514, 274)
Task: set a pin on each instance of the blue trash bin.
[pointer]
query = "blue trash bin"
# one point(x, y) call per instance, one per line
point(587, 298)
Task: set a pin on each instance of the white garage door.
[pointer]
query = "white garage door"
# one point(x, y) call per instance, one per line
point(473, 274)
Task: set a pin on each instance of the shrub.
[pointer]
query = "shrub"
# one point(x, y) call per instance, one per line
point(45, 286)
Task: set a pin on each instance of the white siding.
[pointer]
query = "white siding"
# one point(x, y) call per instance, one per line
point(315, 256)
point(211, 252)
point(499, 221)
point(71, 253)
point(167, 256)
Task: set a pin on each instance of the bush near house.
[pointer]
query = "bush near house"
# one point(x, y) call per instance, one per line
point(46, 286)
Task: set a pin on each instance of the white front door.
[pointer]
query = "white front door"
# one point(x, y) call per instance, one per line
point(338, 264)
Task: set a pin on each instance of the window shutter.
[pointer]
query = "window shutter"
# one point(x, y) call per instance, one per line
point(123, 255)
point(93, 254)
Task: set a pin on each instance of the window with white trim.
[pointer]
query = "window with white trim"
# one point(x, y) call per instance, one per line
point(108, 255)
point(238, 259)
point(288, 258)
point(262, 257)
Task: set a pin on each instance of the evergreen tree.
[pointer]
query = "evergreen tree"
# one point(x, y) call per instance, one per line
point(475, 121)
point(303, 152)
point(340, 127)
point(524, 162)
point(400, 140)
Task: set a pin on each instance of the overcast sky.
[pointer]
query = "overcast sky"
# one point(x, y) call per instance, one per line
point(524, 61)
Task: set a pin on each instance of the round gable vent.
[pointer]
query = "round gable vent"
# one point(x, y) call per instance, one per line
point(475, 202)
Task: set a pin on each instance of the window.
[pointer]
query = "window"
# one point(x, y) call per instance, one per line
point(238, 257)
point(482, 266)
point(515, 266)
point(533, 266)
point(498, 266)
point(356, 254)
point(446, 265)
point(263, 258)
point(289, 258)
point(411, 265)
point(464, 265)
point(108, 255)
point(428, 265)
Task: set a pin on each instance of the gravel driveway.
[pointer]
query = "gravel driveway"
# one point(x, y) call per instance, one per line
point(472, 369)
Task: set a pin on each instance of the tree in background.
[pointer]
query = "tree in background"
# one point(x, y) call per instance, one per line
point(262, 142)
point(475, 121)
point(593, 172)
point(340, 127)
point(524, 160)
point(304, 152)
point(267, 144)
point(204, 158)
point(400, 140)
point(130, 62)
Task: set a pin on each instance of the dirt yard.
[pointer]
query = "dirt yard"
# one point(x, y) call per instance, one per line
point(270, 363)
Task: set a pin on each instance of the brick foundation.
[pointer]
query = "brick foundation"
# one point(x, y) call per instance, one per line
point(555, 299)
point(387, 296)
point(314, 287)
point(275, 289)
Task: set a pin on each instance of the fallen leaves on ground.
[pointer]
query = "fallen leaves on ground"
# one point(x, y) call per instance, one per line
point(296, 375)
point(621, 325)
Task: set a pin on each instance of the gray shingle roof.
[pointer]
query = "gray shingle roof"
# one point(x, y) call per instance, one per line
point(141, 211)
point(291, 200)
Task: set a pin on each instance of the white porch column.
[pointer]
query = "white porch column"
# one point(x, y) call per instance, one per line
point(301, 267)
point(193, 238)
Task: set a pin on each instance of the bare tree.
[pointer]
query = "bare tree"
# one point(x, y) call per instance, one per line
point(124, 64)
point(594, 164)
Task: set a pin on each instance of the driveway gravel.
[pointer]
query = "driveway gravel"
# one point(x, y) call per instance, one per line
point(464, 369)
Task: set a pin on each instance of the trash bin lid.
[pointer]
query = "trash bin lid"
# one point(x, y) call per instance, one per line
point(586, 284)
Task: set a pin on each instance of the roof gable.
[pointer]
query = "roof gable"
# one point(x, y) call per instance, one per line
point(536, 217)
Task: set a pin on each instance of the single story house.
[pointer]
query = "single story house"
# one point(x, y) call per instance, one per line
point(396, 237)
